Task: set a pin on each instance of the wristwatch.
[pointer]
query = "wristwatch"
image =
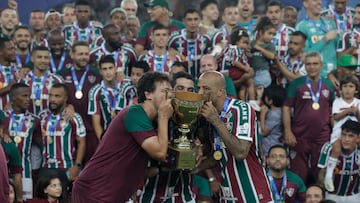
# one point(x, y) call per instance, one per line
point(212, 179)
point(79, 165)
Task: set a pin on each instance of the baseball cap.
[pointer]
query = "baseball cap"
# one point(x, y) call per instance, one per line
point(152, 3)
point(347, 60)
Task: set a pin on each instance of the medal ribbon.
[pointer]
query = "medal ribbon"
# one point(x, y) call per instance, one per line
point(8, 78)
point(38, 89)
point(52, 127)
point(318, 25)
point(18, 61)
point(314, 97)
point(60, 65)
point(87, 33)
point(291, 66)
point(160, 67)
point(82, 79)
point(277, 38)
point(279, 196)
point(217, 139)
point(192, 54)
point(17, 128)
point(111, 100)
point(342, 24)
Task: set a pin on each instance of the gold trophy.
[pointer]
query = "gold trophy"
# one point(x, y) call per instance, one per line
point(182, 151)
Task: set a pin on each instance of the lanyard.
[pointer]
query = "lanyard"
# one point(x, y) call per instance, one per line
point(52, 127)
point(317, 24)
point(38, 89)
point(60, 65)
point(279, 196)
point(277, 38)
point(17, 128)
point(342, 24)
point(291, 66)
point(217, 139)
point(315, 97)
point(82, 79)
point(18, 61)
point(8, 78)
point(111, 100)
point(157, 66)
point(250, 26)
point(87, 33)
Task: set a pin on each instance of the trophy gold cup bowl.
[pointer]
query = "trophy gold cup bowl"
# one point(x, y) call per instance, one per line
point(182, 151)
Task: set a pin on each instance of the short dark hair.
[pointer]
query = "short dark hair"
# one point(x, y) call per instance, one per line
point(299, 33)
point(3, 40)
point(143, 65)
point(273, 3)
point(39, 48)
point(350, 79)
point(206, 3)
point(17, 86)
point(22, 27)
point(159, 26)
point(82, 3)
point(276, 94)
point(79, 43)
point(37, 11)
point(191, 10)
point(179, 63)
point(278, 146)
point(180, 75)
point(147, 83)
point(351, 126)
point(106, 59)
point(63, 86)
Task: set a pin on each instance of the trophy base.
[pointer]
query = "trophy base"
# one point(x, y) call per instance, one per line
point(181, 159)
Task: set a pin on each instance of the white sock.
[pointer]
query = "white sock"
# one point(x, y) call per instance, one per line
point(330, 167)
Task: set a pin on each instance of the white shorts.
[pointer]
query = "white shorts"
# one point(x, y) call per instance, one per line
point(344, 199)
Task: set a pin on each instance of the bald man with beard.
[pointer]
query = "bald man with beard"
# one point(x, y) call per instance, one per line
point(235, 142)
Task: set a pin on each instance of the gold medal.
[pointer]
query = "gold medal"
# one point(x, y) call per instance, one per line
point(316, 106)
point(38, 102)
point(49, 140)
point(78, 94)
point(217, 155)
point(113, 114)
point(17, 139)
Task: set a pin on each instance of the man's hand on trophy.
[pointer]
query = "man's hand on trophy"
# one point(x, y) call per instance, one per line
point(209, 112)
point(165, 109)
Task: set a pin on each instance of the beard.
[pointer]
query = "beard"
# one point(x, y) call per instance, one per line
point(115, 45)
point(57, 108)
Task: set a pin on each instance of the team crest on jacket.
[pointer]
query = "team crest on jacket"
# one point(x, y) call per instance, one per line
point(290, 191)
point(91, 78)
point(68, 79)
point(325, 93)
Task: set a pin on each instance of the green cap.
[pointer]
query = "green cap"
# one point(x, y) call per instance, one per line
point(153, 3)
point(347, 61)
